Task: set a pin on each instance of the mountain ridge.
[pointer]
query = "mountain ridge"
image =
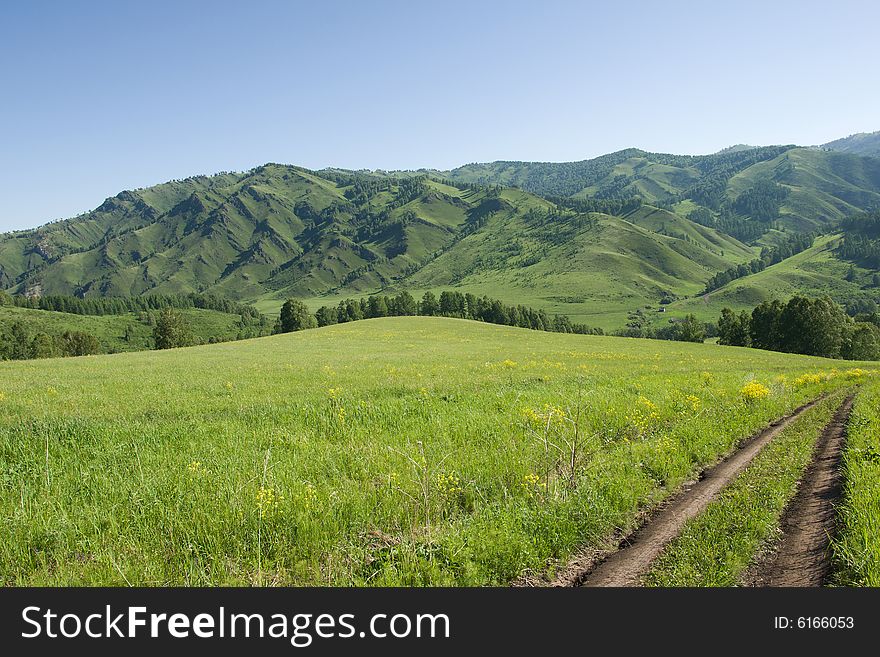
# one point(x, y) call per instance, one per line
point(623, 230)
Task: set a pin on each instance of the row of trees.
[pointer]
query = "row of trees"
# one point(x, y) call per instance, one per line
point(816, 327)
point(689, 329)
point(761, 201)
point(861, 239)
point(18, 343)
point(122, 305)
point(170, 328)
point(769, 256)
point(295, 316)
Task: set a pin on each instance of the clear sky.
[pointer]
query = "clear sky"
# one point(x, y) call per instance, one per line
point(97, 97)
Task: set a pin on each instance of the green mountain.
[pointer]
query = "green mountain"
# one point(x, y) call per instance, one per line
point(280, 230)
point(817, 271)
point(861, 143)
point(596, 239)
point(631, 172)
point(747, 192)
point(594, 267)
point(241, 236)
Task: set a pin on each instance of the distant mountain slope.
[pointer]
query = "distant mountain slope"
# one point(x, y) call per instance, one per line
point(241, 235)
point(280, 231)
point(593, 267)
point(821, 187)
point(596, 239)
point(862, 143)
point(654, 176)
point(743, 191)
point(815, 272)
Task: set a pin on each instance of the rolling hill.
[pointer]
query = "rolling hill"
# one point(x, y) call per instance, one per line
point(818, 271)
point(127, 331)
point(815, 187)
point(595, 239)
point(861, 143)
point(281, 231)
point(249, 463)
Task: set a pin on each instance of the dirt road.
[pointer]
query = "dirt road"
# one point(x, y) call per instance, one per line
point(625, 566)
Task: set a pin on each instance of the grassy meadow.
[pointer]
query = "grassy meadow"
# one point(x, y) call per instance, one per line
point(857, 548)
point(396, 451)
point(126, 332)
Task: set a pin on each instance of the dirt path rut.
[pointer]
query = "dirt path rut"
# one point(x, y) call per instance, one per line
point(633, 559)
point(809, 521)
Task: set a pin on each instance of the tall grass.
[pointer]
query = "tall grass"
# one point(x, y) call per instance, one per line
point(856, 550)
point(409, 451)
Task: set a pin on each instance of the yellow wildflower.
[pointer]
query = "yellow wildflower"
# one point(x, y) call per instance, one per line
point(533, 485)
point(754, 390)
point(268, 502)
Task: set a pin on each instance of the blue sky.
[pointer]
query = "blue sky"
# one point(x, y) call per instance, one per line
point(99, 97)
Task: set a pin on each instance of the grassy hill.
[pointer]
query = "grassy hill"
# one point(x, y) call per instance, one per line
point(595, 268)
point(408, 451)
point(595, 239)
point(283, 231)
point(276, 228)
point(814, 272)
point(821, 187)
point(126, 332)
point(861, 143)
point(630, 172)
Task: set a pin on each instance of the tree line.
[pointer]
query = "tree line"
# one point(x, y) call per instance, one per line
point(295, 316)
point(122, 305)
point(815, 327)
point(18, 343)
point(769, 256)
point(689, 329)
point(861, 239)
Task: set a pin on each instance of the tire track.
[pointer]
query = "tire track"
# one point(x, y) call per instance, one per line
point(626, 565)
point(809, 522)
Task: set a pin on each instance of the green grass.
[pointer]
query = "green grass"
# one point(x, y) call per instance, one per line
point(716, 547)
point(111, 329)
point(813, 272)
point(411, 451)
point(856, 549)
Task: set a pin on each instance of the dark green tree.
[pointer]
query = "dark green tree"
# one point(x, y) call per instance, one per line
point(690, 329)
point(812, 326)
point(733, 329)
point(764, 325)
point(862, 342)
point(78, 343)
point(404, 305)
point(325, 316)
point(43, 346)
point(171, 330)
point(295, 316)
point(429, 305)
point(377, 306)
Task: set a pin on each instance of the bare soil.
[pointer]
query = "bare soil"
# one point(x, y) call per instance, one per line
point(809, 522)
point(632, 559)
